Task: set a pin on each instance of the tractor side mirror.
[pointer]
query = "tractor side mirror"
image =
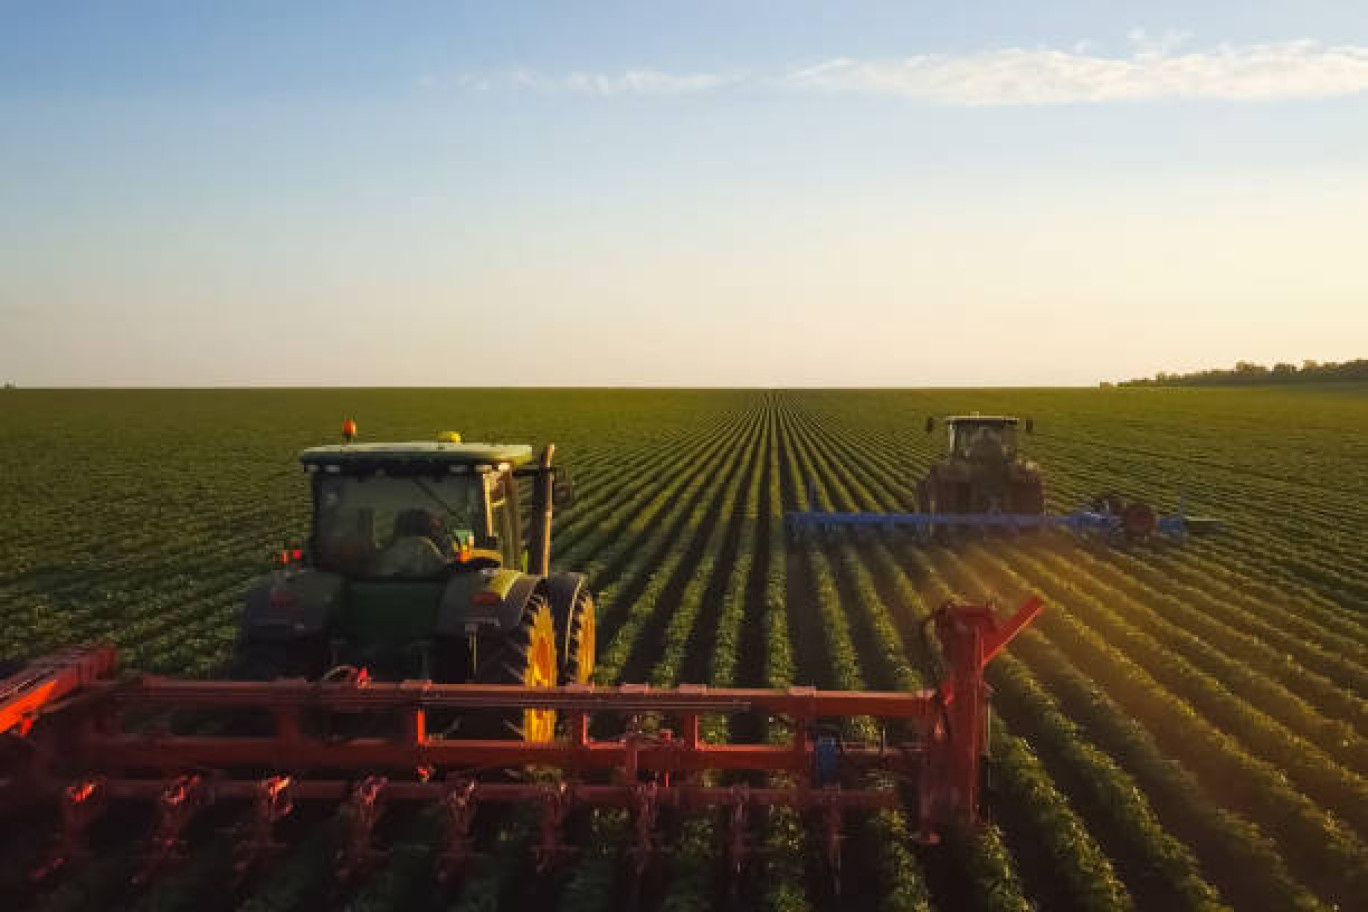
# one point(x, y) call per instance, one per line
point(930, 423)
point(563, 491)
point(1030, 425)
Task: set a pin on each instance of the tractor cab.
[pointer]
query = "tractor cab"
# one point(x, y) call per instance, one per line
point(984, 471)
point(415, 511)
point(973, 436)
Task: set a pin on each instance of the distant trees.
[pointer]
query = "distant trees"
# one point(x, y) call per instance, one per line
point(1246, 373)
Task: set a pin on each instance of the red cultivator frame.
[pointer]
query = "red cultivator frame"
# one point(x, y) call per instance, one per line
point(86, 739)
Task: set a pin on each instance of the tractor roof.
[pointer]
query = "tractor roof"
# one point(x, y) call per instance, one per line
point(980, 419)
point(416, 453)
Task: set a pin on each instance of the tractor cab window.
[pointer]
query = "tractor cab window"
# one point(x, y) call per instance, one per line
point(1007, 434)
point(395, 526)
point(968, 439)
point(503, 516)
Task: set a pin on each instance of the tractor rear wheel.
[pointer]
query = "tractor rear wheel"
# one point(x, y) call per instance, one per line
point(525, 657)
point(578, 631)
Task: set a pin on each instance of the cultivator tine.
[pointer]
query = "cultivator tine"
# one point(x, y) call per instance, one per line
point(738, 841)
point(273, 802)
point(551, 848)
point(645, 814)
point(829, 809)
point(459, 804)
point(81, 803)
point(360, 813)
point(176, 806)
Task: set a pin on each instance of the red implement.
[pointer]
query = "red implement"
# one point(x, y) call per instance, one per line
point(70, 706)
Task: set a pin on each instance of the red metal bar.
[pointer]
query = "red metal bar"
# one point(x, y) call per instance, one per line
point(995, 640)
point(25, 695)
point(628, 699)
point(962, 635)
point(194, 752)
point(682, 797)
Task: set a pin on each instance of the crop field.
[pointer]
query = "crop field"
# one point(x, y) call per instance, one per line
point(1185, 727)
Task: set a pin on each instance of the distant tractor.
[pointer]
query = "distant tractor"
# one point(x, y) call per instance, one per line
point(983, 472)
point(985, 483)
point(418, 565)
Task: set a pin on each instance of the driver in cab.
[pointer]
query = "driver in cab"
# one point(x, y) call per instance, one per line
point(419, 547)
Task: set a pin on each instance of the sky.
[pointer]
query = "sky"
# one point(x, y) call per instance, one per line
point(704, 194)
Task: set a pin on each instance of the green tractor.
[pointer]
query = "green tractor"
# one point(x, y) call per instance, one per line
point(984, 470)
point(421, 564)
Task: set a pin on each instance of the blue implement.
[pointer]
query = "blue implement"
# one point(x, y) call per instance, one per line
point(1078, 521)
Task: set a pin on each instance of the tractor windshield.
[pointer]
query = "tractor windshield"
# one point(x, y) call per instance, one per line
point(397, 527)
point(968, 438)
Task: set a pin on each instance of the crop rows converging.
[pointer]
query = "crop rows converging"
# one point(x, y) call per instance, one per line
point(1185, 726)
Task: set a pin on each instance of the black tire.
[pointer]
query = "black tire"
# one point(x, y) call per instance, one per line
point(526, 657)
point(1138, 521)
point(577, 632)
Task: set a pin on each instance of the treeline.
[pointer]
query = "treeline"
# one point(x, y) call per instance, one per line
point(1246, 373)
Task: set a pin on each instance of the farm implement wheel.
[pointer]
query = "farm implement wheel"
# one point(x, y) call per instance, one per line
point(1138, 521)
point(578, 657)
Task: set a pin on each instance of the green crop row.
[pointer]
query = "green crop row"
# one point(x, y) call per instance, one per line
point(1319, 846)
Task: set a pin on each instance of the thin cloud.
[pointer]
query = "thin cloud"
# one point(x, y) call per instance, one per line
point(606, 85)
point(1017, 76)
point(1155, 69)
point(645, 82)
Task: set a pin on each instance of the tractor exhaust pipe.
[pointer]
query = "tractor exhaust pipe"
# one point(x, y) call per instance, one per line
point(543, 499)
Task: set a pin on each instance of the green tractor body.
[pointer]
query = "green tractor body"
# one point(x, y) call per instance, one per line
point(984, 470)
point(421, 563)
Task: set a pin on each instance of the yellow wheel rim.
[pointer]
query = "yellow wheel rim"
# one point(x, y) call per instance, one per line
point(540, 724)
point(585, 647)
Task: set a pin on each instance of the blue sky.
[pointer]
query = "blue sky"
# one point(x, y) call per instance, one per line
point(740, 193)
